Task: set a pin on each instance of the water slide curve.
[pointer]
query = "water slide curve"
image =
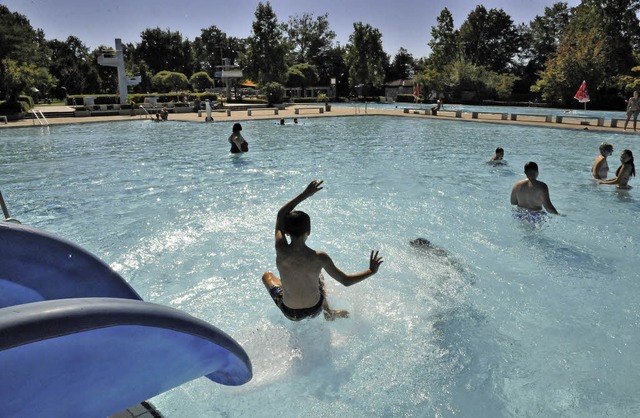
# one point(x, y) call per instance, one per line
point(77, 340)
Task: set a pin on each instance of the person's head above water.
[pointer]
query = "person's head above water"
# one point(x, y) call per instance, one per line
point(606, 148)
point(297, 223)
point(531, 169)
point(420, 243)
point(237, 127)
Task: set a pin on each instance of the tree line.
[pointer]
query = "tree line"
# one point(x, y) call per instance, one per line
point(486, 57)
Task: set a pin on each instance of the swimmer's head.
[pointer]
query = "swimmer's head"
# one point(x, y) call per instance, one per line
point(420, 243)
point(606, 148)
point(531, 169)
point(499, 151)
point(297, 223)
point(237, 127)
point(281, 121)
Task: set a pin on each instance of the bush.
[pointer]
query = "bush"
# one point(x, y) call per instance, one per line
point(274, 92)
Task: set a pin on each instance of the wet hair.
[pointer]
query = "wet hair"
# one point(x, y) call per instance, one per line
point(499, 150)
point(297, 223)
point(530, 166)
point(605, 147)
point(237, 127)
point(633, 166)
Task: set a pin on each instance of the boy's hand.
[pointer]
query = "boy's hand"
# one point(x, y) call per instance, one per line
point(312, 188)
point(374, 262)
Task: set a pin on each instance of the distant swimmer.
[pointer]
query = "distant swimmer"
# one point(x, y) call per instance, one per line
point(299, 293)
point(530, 193)
point(624, 172)
point(498, 158)
point(426, 245)
point(600, 168)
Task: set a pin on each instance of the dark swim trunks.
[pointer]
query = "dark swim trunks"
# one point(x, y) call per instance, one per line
point(276, 293)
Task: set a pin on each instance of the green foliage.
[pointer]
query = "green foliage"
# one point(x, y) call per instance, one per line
point(444, 41)
point(366, 59)
point(166, 81)
point(200, 81)
point(266, 49)
point(274, 92)
point(630, 83)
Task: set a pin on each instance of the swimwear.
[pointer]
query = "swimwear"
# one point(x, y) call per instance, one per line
point(234, 149)
point(634, 104)
point(531, 216)
point(277, 292)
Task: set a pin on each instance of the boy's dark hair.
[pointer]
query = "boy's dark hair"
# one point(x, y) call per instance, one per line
point(530, 166)
point(499, 150)
point(236, 127)
point(297, 223)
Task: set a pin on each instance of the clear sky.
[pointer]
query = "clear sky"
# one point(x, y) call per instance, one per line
point(402, 23)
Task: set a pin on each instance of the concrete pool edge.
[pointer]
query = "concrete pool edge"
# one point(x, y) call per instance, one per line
point(336, 111)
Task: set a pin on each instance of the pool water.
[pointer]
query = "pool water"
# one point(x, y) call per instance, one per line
point(519, 319)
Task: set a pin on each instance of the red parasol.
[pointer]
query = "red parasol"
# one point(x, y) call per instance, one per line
point(416, 90)
point(582, 95)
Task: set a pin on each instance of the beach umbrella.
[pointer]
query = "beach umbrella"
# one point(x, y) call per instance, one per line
point(416, 90)
point(582, 95)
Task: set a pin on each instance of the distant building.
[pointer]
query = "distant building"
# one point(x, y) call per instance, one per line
point(394, 88)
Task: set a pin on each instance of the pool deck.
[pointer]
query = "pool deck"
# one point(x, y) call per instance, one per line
point(336, 111)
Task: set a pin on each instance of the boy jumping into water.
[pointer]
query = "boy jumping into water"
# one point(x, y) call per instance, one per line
point(299, 292)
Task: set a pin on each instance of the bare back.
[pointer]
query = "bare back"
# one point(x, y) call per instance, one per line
point(531, 194)
point(299, 267)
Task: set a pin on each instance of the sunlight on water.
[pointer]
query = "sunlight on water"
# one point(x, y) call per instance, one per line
point(511, 318)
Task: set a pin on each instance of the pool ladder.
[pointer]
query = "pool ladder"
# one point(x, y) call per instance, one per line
point(40, 118)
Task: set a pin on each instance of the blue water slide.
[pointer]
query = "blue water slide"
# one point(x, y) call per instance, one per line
point(37, 266)
point(93, 357)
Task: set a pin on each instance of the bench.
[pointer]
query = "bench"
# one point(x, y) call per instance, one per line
point(298, 109)
point(457, 113)
point(614, 121)
point(4, 118)
point(503, 115)
point(415, 110)
point(269, 109)
point(585, 119)
point(547, 118)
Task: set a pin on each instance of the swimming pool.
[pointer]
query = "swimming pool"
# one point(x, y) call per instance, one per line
point(519, 320)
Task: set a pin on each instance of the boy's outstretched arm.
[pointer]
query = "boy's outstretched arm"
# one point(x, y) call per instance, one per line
point(350, 279)
point(310, 190)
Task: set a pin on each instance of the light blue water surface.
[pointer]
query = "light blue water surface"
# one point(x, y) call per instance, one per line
point(520, 320)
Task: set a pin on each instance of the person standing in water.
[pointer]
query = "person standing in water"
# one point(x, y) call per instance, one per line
point(299, 292)
point(624, 172)
point(600, 169)
point(531, 193)
point(238, 144)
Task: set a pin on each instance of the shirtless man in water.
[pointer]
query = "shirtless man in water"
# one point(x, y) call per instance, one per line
point(299, 292)
point(531, 193)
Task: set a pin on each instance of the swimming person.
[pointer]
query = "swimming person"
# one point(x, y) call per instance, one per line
point(299, 293)
point(624, 172)
point(531, 193)
point(633, 108)
point(600, 169)
point(238, 144)
point(498, 158)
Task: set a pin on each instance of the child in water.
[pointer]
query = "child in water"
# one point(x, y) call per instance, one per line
point(299, 293)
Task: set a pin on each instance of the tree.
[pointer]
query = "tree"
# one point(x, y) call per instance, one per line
point(200, 81)
point(302, 75)
point(402, 66)
point(545, 33)
point(209, 49)
point(73, 66)
point(444, 41)
point(580, 56)
point(309, 38)
point(366, 59)
point(23, 56)
point(489, 39)
point(166, 81)
point(266, 49)
point(165, 50)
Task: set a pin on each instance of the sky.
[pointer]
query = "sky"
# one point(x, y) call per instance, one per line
point(402, 23)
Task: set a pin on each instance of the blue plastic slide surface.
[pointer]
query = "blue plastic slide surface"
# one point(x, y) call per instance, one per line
point(36, 266)
point(93, 357)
